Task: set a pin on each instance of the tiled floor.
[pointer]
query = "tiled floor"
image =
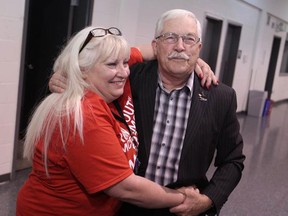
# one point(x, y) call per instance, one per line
point(8, 193)
point(263, 189)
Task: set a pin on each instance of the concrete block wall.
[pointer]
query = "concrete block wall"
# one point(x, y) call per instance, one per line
point(11, 24)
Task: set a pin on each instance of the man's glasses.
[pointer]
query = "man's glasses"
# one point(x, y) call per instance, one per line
point(100, 32)
point(172, 38)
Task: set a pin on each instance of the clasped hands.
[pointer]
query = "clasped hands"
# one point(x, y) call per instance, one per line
point(194, 204)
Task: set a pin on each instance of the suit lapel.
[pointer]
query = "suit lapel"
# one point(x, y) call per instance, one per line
point(197, 110)
point(149, 85)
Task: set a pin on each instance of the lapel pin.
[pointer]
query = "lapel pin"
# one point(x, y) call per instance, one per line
point(202, 96)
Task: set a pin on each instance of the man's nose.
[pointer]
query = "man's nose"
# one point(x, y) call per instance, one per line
point(180, 44)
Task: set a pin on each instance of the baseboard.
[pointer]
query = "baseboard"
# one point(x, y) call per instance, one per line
point(276, 103)
point(5, 177)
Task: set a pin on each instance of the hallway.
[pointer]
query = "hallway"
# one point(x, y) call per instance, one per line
point(263, 189)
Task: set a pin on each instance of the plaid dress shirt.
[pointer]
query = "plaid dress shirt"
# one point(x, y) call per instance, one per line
point(171, 114)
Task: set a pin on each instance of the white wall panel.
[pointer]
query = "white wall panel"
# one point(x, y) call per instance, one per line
point(11, 22)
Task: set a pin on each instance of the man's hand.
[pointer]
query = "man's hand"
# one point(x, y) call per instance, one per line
point(204, 71)
point(57, 83)
point(194, 204)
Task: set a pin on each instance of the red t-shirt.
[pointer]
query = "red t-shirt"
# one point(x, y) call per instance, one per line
point(79, 173)
point(126, 103)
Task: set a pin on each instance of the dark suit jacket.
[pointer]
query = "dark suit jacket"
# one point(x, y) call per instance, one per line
point(212, 127)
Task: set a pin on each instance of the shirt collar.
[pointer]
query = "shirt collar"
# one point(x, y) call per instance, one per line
point(189, 84)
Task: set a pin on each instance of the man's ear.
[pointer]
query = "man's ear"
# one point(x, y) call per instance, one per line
point(154, 47)
point(200, 45)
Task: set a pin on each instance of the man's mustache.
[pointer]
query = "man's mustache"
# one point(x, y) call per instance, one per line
point(177, 55)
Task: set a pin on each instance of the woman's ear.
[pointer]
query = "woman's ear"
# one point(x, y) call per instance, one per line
point(84, 75)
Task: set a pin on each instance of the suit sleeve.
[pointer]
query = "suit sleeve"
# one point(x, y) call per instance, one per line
point(229, 158)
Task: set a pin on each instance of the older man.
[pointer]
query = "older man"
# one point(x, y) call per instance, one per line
point(181, 125)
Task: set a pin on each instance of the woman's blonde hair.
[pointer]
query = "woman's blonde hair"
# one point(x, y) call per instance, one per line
point(57, 109)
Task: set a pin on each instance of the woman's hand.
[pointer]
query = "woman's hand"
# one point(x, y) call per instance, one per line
point(204, 71)
point(194, 204)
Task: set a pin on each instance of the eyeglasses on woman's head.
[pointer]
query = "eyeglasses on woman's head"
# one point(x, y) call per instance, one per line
point(100, 32)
